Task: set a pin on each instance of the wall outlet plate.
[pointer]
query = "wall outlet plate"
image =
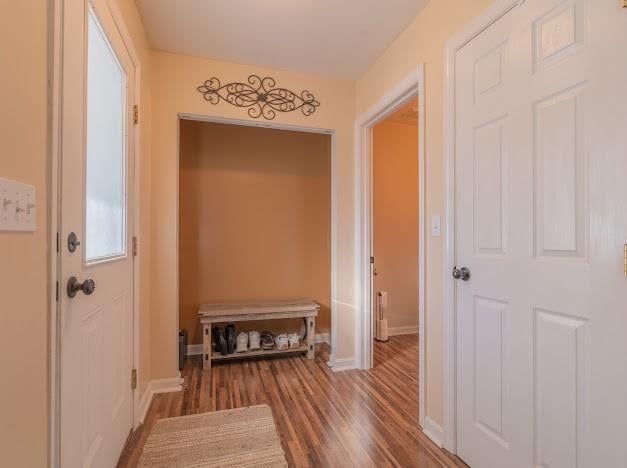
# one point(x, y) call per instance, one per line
point(436, 228)
point(18, 206)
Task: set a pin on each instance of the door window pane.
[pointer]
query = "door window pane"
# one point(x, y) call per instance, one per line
point(105, 186)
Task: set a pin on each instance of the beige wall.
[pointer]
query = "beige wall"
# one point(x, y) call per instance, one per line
point(175, 79)
point(24, 288)
point(395, 218)
point(423, 42)
point(255, 220)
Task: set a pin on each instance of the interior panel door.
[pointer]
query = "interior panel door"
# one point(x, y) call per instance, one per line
point(541, 221)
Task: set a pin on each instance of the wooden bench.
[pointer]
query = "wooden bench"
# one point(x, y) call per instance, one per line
point(211, 314)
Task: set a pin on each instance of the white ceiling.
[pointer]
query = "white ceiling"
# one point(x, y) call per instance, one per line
point(336, 38)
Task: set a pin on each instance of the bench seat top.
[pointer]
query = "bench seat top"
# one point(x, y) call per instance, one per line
point(257, 307)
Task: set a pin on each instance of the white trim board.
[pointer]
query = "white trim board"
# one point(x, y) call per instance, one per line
point(196, 349)
point(344, 364)
point(154, 387)
point(411, 87)
point(492, 14)
point(433, 431)
point(405, 330)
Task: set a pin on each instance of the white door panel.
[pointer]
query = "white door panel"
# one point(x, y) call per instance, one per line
point(541, 219)
point(96, 408)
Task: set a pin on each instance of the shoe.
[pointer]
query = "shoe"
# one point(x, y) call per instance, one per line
point(282, 343)
point(267, 340)
point(303, 330)
point(216, 333)
point(294, 340)
point(242, 342)
point(229, 335)
point(254, 340)
point(221, 345)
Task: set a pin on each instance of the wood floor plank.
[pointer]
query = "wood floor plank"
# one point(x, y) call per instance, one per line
point(324, 418)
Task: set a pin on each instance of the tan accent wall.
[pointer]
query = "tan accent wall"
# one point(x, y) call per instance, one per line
point(423, 42)
point(255, 220)
point(176, 78)
point(24, 286)
point(395, 219)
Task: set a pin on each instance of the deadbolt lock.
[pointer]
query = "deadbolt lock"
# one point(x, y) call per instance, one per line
point(72, 242)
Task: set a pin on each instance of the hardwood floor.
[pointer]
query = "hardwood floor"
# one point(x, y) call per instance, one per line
point(324, 418)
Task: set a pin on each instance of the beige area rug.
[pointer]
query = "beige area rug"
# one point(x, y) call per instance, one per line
point(237, 437)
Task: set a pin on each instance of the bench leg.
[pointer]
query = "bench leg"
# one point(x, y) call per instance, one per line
point(311, 336)
point(206, 346)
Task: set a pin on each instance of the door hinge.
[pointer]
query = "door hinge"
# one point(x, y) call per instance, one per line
point(58, 243)
point(135, 114)
point(372, 260)
point(134, 246)
point(56, 294)
point(134, 379)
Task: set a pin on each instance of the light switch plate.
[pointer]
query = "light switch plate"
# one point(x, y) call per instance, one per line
point(18, 210)
point(436, 226)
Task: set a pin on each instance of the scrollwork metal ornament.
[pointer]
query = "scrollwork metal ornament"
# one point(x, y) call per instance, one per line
point(260, 96)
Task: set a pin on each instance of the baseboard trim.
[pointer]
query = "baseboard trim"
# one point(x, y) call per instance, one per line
point(407, 330)
point(196, 349)
point(154, 387)
point(433, 431)
point(323, 338)
point(344, 364)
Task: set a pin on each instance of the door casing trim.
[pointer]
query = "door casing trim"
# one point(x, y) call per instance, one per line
point(55, 99)
point(411, 87)
point(491, 15)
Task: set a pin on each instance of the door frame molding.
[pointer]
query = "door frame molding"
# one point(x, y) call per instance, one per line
point(212, 118)
point(491, 15)
point(411, 87)
point(55, 128)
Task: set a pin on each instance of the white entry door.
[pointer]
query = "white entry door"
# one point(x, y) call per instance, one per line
point(96, 281)
point(541, 223)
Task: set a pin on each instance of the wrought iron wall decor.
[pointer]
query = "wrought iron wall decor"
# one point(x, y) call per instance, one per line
point(260, 96)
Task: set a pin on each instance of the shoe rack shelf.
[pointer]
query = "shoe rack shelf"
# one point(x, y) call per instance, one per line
point(258, 353)
point(212, 314)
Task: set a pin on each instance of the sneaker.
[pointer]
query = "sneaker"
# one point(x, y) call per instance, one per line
point(254, 340)
point(267, 340)
point(242, 342)
point(294, 340)
point(282, 342)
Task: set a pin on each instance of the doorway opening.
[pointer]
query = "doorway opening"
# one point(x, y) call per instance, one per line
point(406, 96)
point(394, 234)
point(255, 223)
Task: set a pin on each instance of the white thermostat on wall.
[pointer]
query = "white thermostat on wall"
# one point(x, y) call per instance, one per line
point(18, 208)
